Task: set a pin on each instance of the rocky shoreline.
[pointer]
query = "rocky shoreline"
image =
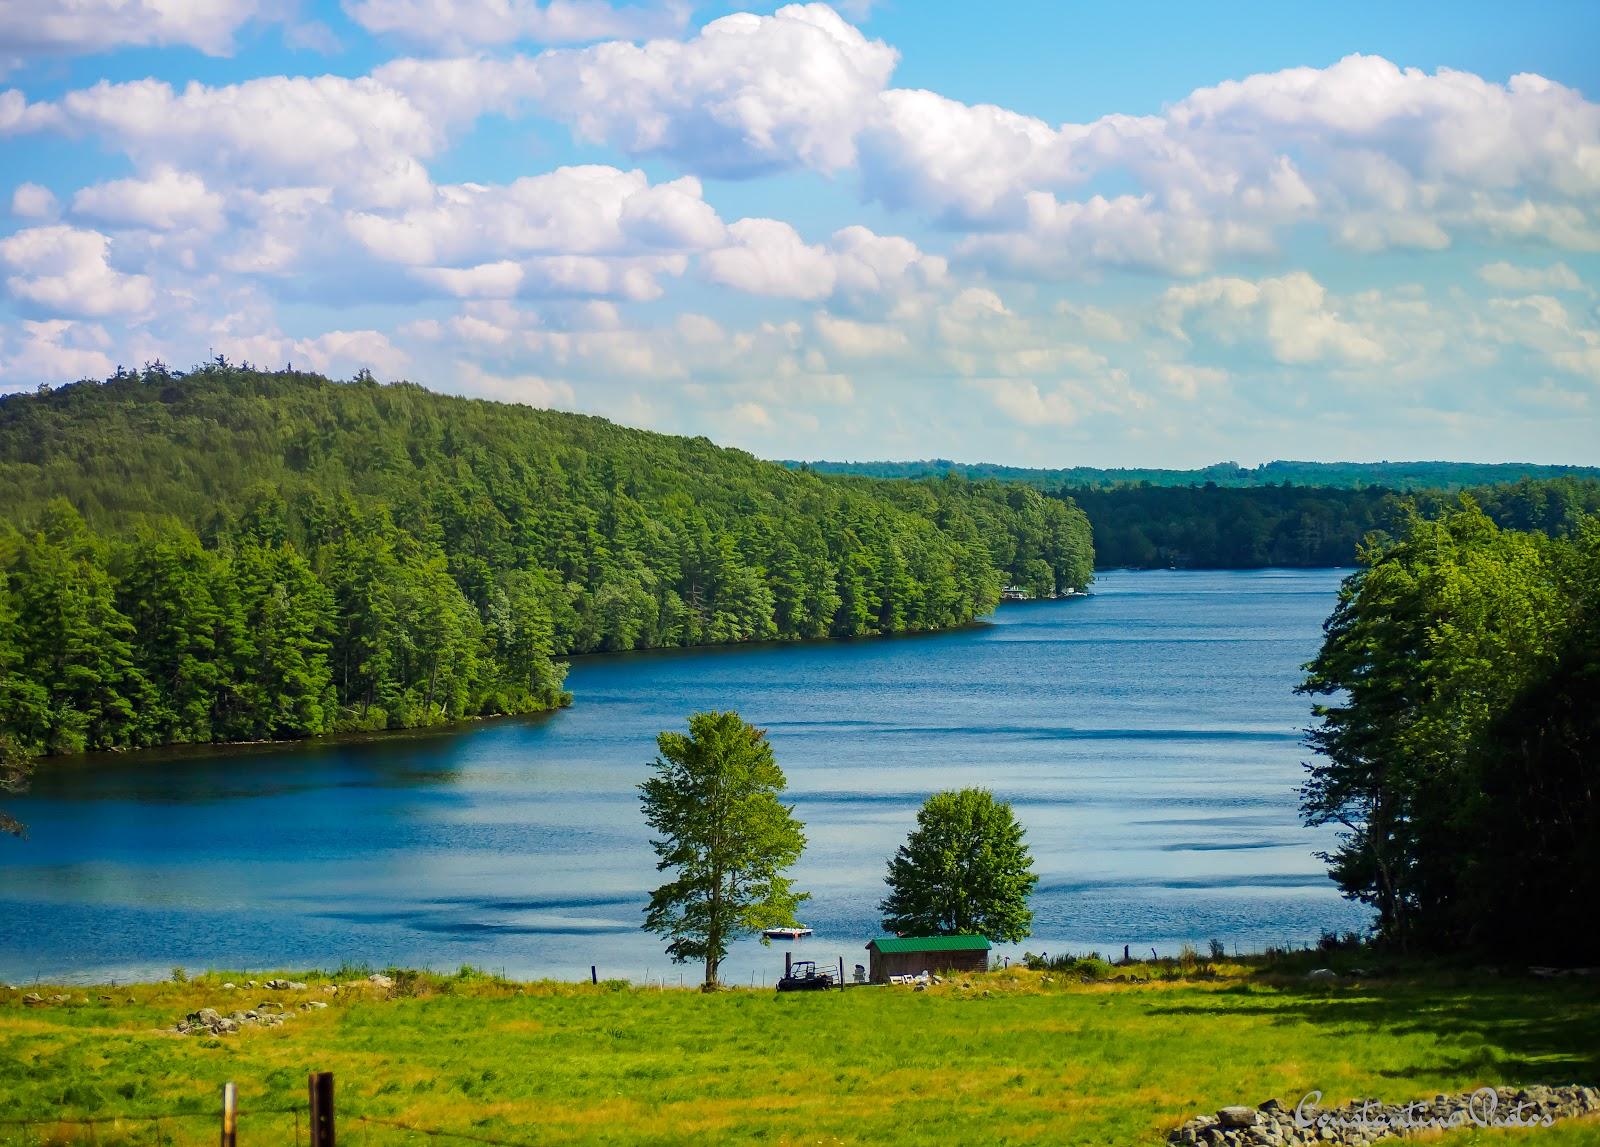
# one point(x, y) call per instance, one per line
point(1360, 1122)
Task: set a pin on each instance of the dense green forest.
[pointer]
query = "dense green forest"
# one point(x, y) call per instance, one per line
point(1219, 527)
point(1460, 737)
point(229, 554)
point(1447, 476)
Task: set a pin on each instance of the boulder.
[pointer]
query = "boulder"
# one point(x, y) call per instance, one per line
point(1322, 975)
point(278, 985)
point(1237, 1117)
point(379, 980)
point(33, 1000)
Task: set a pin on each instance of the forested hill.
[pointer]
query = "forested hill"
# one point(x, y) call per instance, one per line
point(230, 555)
point(1446, 476)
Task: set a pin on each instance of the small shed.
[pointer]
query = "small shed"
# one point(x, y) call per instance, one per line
point(913, 955)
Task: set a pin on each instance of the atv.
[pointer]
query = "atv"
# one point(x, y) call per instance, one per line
point(804, 977)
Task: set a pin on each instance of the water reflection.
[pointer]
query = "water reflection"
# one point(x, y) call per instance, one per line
point(1148, 737)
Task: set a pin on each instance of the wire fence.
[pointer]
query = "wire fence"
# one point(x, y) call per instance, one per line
point(159, 1128)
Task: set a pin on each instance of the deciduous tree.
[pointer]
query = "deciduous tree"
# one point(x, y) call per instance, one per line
point(964, 870)
point(724, 834)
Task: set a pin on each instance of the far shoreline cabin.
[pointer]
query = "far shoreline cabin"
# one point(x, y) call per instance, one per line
point(913, 955)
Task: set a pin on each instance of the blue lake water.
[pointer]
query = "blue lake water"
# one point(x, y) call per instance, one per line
point(1148, 737)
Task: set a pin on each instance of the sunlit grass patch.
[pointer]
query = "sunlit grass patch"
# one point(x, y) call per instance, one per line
point(1042, 1057)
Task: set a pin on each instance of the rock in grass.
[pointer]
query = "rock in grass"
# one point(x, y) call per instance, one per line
point(379, 980)
point(1322, 975)
point(1237, 1117)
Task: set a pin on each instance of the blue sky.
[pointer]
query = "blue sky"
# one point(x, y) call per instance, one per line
point(1046, 234)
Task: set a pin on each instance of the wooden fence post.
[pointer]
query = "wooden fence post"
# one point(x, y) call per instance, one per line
point(594, 974)
point(787, 958)
point(321, 1087)
point(841, 973)
point(230, 1114)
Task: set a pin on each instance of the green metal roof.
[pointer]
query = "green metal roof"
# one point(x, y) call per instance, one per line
point(931, 944)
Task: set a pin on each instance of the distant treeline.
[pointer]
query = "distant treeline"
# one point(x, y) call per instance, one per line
point(1218, 527)
point(1448, 476)
point(1459, 734)
point(231, 554)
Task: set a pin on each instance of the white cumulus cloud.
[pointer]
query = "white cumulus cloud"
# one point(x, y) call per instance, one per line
point(66, 271)
point(457, 24)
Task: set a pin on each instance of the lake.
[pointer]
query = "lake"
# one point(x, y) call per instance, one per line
point(1148, 737)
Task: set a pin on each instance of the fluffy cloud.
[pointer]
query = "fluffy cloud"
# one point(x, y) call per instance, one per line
point(337, 353)
point(166, 201)
point(852, 339)
point(31, 201)
point(576, 210)
point(768, 257)
point(1556, 277)
point(73, 27)
point(1544, 325)
point(54, 351)
point(957, 160)
point(529, 389)
point(1290, 314)
point(746, 95)
point(359, 135)
point(1188, 380)
point(458, 24)
point(1383, 156)
point(66, 271)
point(1024, 402)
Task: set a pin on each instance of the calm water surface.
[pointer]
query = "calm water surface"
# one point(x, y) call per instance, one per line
point(1148, 737)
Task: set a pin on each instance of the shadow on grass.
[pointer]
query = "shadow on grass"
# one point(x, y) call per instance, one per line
point(1525, 1032)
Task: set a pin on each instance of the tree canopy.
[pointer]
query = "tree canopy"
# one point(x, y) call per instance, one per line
point(1220, 527)
point(965, 869)
point(1459, 739)
point(724, 834)
point(232, 554)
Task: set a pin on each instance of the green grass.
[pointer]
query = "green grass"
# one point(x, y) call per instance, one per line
point(1057, 1062)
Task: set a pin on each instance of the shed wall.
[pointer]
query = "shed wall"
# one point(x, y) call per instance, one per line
point(886, 964)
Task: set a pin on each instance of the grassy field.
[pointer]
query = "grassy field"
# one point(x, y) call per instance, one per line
point(1015, 1057)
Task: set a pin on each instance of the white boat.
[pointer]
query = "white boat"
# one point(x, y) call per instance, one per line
point(795, 933)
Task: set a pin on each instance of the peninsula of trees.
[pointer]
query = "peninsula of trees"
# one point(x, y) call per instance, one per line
point(230, 554)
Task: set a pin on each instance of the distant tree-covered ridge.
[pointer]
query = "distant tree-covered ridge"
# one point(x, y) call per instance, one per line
point(229, 554)
point(1447, 476)
point(1220, 527)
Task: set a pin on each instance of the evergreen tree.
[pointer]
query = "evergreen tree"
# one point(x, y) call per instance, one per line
point(74, 643)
